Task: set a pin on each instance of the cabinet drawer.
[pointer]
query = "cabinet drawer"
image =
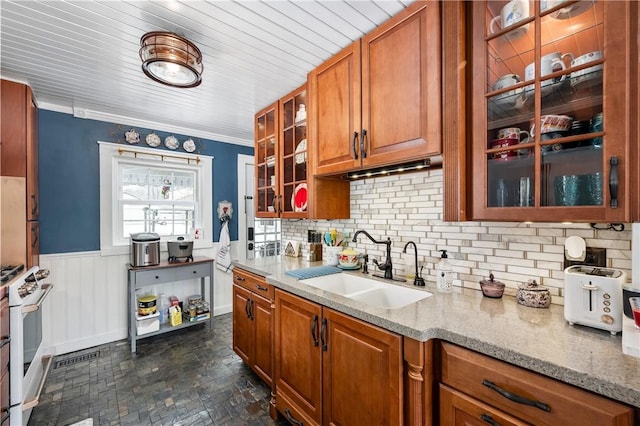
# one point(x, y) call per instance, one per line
point(193, 271)
point(156, 276)
point(558, 403)
point(253, 282)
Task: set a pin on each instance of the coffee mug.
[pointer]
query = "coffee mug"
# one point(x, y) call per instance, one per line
point(512, 12)
point(505, 81)
point(587, 73)
point(512, 133)
point(548, 64)
point(504, 143)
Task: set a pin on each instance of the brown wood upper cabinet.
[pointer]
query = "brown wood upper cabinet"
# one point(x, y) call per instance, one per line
point(552, 111)
point(20, 140)
point(377, 102)
point(284, 187)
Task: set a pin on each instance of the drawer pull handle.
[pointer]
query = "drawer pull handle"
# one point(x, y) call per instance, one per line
point(314, 330)
point(261, 288)
point(614, 182)
point(323, 334)
point(363, 141)
point(4, 342)
point(239, 278)
point(516, 398)
point(292, 419)
point(488, 419)
point(355, 151)
point(247, 307)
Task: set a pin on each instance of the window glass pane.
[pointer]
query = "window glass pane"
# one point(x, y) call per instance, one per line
point(165, 220)
point(152, 183)
point(157, 199)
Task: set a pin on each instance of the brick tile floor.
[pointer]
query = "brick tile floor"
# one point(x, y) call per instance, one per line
point(187, 377)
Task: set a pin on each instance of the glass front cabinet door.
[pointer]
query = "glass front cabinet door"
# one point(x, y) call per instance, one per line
point(293, 157)
point(266, 158)
point(552, 107)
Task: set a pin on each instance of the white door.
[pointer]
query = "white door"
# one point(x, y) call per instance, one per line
point(246, 216)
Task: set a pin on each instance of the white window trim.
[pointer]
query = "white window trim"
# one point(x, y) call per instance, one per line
point(109, 155)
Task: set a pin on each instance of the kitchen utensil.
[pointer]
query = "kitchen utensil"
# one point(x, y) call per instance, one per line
point(327, 238)
point(593, 297)
point(533, 295)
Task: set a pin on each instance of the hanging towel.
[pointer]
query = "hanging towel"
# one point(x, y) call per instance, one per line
point(223, 259)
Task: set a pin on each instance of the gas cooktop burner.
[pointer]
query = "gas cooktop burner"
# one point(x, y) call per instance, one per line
point(7, 272)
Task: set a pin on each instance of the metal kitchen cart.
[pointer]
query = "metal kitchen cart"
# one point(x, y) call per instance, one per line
point(167, 272)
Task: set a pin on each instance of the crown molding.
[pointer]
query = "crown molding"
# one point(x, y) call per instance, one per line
point(84, 113)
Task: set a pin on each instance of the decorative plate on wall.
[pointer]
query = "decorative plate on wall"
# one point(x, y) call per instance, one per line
point(171, 142)
point(153, 140)
point(189, 145)
point(132, 136)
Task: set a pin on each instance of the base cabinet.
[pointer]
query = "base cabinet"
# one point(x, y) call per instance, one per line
point(253, 323)
point(477, 389)
point(334, 369)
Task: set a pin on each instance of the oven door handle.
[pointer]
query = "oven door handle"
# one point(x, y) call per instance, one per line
point(32, 308)
point(47, 360)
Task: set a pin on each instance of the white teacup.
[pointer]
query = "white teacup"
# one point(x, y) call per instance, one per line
point(586, 73)
point(505, 81)
point(548, 64)
point(511, 13)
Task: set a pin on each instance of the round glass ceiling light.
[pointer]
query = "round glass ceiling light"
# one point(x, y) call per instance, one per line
point(171, 59)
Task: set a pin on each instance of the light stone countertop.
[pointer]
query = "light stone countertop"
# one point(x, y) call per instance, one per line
point(537, 339)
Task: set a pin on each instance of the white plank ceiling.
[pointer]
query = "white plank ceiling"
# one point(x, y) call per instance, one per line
point(82, 56)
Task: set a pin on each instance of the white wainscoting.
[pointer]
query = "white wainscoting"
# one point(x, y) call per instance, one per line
point(88, 304)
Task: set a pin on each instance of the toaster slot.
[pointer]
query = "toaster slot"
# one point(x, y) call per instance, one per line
point(589, 294)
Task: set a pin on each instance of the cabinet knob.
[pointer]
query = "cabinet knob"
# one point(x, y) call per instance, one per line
point(157, 277)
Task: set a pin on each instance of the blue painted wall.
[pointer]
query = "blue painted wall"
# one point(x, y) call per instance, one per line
point(70, 179)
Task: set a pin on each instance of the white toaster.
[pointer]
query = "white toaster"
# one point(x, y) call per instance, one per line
point(593, 297)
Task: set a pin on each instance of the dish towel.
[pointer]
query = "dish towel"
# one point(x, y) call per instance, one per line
point(223, 258)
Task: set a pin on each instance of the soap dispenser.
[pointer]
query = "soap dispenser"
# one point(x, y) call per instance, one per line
point(444, 280)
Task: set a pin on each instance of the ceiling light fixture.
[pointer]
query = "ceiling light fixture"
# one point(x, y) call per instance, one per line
point(171, 59)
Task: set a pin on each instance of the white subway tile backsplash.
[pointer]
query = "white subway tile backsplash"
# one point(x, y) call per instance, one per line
point(409, 208)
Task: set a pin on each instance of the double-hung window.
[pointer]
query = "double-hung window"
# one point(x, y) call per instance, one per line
point(145, 190)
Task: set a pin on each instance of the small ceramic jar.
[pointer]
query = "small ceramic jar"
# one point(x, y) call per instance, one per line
point(533, 295)
point(492, 288)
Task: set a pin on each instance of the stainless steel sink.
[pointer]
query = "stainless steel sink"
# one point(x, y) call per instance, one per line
point(367, 290)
